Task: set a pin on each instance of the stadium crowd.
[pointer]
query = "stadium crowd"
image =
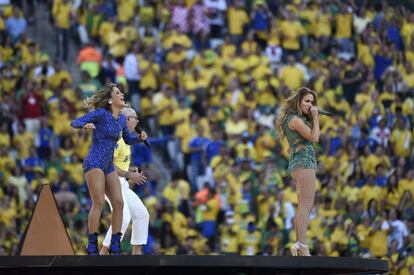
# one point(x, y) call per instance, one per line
point(207, 78)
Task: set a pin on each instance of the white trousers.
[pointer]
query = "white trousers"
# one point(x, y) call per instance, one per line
point(135, 209)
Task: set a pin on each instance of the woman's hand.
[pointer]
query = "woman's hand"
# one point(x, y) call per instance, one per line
point(143, 136)
point(89, 126)
point(314, 111)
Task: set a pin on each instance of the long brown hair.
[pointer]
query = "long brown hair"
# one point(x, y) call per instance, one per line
point(100, 99)
point(292, 106)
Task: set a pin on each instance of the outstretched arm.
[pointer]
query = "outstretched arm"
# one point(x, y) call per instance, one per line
point(90, 117)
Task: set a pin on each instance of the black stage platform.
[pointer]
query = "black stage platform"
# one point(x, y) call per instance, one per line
point(212, 265)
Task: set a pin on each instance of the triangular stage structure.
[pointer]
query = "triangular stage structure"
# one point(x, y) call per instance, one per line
point(46, 234)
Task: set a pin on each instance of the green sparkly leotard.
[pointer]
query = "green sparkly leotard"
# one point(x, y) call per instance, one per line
point(302, 154)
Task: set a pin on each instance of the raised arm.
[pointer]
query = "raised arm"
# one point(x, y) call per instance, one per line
point(90, 117)
point(129, 138)
point(311, 134)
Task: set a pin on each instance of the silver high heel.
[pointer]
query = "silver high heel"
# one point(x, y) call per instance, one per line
point(299, 249)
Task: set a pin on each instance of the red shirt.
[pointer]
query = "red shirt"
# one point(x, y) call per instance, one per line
point(32, 107)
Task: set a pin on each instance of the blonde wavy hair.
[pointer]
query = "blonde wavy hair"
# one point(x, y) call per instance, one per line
point(100, 99)
point(292, 106)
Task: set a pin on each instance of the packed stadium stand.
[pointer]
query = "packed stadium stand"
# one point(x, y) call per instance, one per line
point(207, 78)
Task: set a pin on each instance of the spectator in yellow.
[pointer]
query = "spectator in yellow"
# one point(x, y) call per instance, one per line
point(344, 29)
point(379, 236)
point(401, 139)
point(172, 193)
point(209, 216)
point(127, 9)
point(237, 19)
point(22, 141)
point(62, 13)
point(291, 74)
point(291, 31)
point(118, 43)
point(370, 191)
point(229, 231)
point(250, 240)
point(4, 135)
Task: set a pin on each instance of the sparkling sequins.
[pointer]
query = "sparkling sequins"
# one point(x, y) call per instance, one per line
point(104, 138)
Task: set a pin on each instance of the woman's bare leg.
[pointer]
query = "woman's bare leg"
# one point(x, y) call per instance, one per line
point(113, 191)
point(305, 184)
point(95, 180)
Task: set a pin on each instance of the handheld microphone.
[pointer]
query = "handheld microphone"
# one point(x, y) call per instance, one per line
point(325, 113)
point(139, 131)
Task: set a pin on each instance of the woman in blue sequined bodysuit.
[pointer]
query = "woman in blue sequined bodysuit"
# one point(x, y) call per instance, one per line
point(298, 121)
point(108, 126)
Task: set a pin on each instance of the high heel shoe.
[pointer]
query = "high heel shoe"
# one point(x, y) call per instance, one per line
point(299, 249)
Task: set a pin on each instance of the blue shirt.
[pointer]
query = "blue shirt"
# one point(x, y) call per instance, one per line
point(32, 162)
point(213, 149)
point(45, 137)
point(195, 143)
point(16, 26)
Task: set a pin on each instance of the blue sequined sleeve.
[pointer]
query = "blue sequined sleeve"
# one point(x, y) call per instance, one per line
point(129, 138)
point(90, 117)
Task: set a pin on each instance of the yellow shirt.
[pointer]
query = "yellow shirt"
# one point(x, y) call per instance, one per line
point(213, 207)
point(378, 245)
point(4, 139)
point(291, 32)
point(292, 76)
point(364, 53)
point(370, 192)
point(229, 241)
point(407, 185)
point(122, 155)
point(250, 242)
point(7, 163)
point(105, 30)
point(166, 107)
point(363, 235)
point(311, 15)
point(126, 10)
point(62, 13)
point(146, 15)
point(172, 195)
point(149, 78)
point(73, 169)
point(23, 142)
point(57, 79)
point(344, 25)
point(237, 18)
point(117, 44)
point(401, 142)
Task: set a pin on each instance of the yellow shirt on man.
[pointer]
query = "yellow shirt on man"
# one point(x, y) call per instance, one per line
point(122, 155)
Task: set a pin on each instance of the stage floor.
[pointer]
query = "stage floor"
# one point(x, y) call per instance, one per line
point(198, 265)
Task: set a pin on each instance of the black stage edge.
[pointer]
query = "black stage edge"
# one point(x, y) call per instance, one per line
point(212, 265)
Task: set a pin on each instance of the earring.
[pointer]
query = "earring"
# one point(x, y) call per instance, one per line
point(110, 101)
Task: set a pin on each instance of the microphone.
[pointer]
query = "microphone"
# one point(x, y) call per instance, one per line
point(139, 131)
point(325, 113)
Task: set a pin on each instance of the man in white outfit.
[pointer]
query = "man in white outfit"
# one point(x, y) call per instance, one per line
point(133, 206)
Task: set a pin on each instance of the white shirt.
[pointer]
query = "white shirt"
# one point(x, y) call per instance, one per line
point(220, 6)
point(398, 233)
point(382, 136)
point(38, 71)
point(131, 67)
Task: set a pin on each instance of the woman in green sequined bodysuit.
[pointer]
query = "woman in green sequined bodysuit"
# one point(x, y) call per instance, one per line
point(298, 121)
